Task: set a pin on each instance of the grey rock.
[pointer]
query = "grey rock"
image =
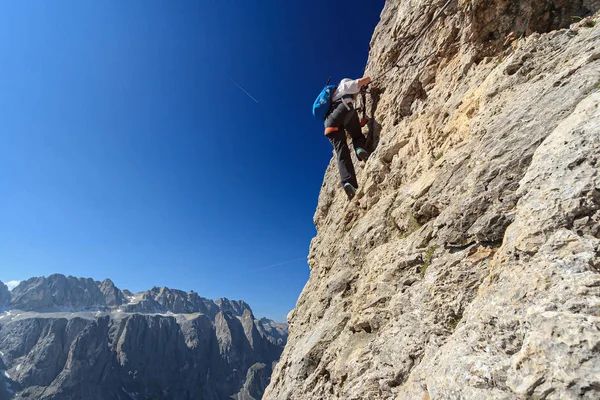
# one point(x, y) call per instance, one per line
point(5, 386)
point(275, 331)
point(234, 307)
point(257, 379)
point(112, 295)
point(467, 266)
point(4, 394)
point(162, 300)
point(58, 292)
point(109, 353)
point(4, 296)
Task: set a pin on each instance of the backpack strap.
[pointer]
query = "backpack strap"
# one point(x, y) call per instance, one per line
point(346, 104)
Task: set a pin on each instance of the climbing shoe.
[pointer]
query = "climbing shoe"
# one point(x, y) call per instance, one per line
point(362, 154)
point(350, 190)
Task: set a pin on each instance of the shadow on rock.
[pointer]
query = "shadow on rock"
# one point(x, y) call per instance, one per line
point(373, 127)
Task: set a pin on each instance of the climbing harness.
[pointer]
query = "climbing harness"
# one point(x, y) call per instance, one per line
point(364, 120)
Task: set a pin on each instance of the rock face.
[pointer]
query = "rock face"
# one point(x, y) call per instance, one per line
point(112, 344)
point(4, 296)
point(112, 295)
point(467, 267)
point(257, 379)
point(274, 331)
point(161, 300)
point(58, 292)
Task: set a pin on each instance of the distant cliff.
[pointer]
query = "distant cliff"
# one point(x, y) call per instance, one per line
point(72, 338)
point(467, 266)
point(4, 296)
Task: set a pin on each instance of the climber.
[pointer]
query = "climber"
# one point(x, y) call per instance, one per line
point(341, 118)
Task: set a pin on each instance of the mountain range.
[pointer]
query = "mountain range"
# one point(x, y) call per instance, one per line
point(75, 338)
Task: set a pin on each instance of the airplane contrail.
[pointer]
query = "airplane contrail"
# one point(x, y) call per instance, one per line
point(278, 264)
point(243, 90)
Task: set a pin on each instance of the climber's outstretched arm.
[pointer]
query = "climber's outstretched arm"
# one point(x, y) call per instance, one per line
point(363, 81)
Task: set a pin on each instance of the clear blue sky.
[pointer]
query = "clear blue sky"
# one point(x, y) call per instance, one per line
point(128, 153)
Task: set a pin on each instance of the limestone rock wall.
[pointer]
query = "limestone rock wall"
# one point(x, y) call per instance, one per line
point(467, 267)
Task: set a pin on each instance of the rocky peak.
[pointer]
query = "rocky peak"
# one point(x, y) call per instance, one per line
point(4, 295)
point(467, 266)
point(112, 295)
point(234, 307)
point(57, 291)
point(271, 329)
point(163, 299)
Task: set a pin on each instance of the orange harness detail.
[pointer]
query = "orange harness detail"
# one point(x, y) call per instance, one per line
point(330, 130)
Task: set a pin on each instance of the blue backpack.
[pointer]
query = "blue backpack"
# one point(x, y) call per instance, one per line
point(323, 102)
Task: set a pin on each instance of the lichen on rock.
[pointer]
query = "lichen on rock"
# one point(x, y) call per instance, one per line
point(467, 266)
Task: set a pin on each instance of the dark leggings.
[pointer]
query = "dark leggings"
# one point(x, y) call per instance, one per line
point(347, 121)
